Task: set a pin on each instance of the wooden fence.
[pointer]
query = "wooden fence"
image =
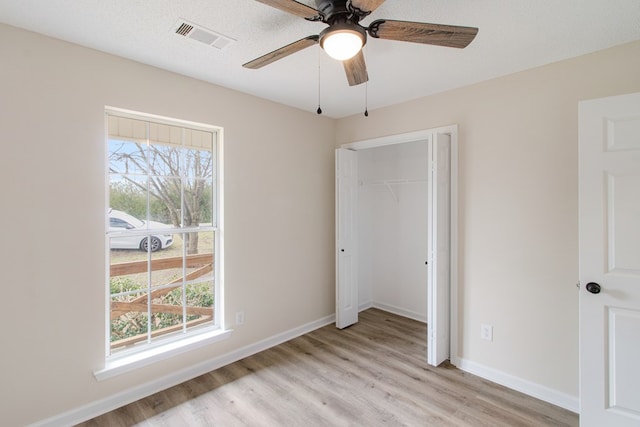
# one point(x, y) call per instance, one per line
point(203, 264)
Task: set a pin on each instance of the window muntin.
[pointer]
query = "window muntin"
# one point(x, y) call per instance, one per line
point(162, 179)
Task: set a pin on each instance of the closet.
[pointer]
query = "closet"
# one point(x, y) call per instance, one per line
point(394, 230)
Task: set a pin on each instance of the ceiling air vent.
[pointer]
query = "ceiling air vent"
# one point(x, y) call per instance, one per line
point(201, 34)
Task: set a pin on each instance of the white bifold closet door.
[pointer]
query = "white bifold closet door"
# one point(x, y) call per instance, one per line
point(437, 286)
point(439, 272)
point(346, 238)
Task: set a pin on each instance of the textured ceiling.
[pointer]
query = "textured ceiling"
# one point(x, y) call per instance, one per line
point(514, 35)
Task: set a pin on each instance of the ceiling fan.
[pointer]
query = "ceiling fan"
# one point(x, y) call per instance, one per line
point(344, 37)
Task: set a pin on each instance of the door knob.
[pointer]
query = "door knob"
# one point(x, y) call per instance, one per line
point(593, 287)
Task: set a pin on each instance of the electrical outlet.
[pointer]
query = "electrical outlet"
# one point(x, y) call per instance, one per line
point(239, 317)
point(486, 332)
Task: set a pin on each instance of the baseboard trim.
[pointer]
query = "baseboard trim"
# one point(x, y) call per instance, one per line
point(94, 409)
point(364, 306)
point(532, 389)
point(420, 317)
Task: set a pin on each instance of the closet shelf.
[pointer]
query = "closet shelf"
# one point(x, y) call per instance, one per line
point(393, 181)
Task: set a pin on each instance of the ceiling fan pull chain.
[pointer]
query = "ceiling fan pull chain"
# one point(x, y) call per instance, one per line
point(319, 110)
point(366, 99)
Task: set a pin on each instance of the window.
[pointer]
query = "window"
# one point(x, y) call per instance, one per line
point(162, 237)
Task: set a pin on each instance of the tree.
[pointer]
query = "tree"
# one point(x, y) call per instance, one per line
point(177, 177)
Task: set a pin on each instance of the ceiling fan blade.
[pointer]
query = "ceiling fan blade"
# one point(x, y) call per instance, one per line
point(356, 70)
point(282, 52)
point(367, 6)
point(294, 7)
point(420, 32)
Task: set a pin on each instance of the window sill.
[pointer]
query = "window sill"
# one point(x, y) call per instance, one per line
point(117, 365)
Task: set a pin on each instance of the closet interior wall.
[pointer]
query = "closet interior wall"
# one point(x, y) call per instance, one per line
point(392, 231)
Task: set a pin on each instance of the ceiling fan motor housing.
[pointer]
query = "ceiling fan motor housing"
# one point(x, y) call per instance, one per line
point(330, 9)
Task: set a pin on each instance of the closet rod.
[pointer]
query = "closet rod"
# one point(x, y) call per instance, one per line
point(388, 182)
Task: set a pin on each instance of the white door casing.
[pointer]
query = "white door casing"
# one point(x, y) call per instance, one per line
point(609, 218)
point(439, 246)
point(346, 238)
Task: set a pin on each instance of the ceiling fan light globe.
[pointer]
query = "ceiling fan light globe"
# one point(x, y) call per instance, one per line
point(342, 44)
point(343, 40)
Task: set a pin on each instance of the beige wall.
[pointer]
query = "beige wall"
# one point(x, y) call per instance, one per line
point(279, 216)
point(518, 246)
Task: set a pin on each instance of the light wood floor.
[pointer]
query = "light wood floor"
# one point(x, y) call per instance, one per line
point(371, 374)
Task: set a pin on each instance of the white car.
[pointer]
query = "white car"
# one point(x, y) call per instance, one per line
point(119, 221)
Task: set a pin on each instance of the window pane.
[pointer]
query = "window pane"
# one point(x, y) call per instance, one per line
point(128, 199)
point(130, 260)
point(167, 263)
point(200, 264)
point(198, 202)
point(129, 318)
point(167, 311)
point(165, 201)
point(164, 160)
point(198, 163)
point(126, 157)
point(200, 303)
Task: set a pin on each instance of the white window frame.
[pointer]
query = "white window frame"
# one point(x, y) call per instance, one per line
point(142, 355)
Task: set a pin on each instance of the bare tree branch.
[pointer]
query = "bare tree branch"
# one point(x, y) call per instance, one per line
point(176, 177)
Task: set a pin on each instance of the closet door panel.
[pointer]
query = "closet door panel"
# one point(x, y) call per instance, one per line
point(346, 238)
point(439, 287)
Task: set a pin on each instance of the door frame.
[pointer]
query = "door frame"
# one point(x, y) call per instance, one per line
point(452, 131)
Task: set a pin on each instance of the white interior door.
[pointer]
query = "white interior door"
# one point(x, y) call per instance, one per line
point(609, 156)
point(346, 238)
point(439, 249)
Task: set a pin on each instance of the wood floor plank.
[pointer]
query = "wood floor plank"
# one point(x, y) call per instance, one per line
point(372, 373)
